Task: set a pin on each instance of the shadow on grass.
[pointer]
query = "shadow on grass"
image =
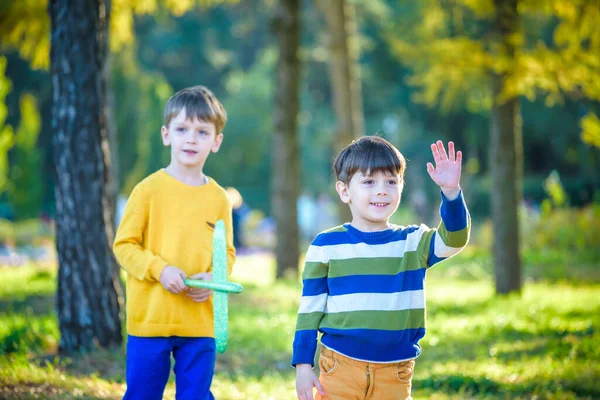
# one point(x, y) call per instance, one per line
point(36, 304)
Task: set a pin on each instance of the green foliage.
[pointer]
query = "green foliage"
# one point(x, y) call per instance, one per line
point(25, 192)
point(25, 26)
point(22, 333)
point(590, 127)
point(451, 56)
point(6, 131)
point(142, 96)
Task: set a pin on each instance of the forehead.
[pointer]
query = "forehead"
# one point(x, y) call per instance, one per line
point(377, 174)
point(182, 118)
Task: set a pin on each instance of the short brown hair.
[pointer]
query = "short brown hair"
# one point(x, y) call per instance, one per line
point(369, 154)
point(199, 102)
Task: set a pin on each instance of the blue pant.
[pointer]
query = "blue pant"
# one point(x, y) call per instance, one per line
point(149, 366)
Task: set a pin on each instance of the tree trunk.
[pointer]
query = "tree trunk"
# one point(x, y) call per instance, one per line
point(344, 72)
point(89, 290)
point(506, 160)
point(285, 179)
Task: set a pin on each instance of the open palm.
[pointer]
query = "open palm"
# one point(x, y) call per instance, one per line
point(446, 173)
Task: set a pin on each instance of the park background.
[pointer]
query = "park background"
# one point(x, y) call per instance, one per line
point(515, 84)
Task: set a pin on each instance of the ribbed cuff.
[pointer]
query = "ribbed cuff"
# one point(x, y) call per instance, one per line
point(454, 213)
point(156, 267)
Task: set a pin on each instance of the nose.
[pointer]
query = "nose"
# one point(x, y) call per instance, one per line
point(381, 189)
point(190, 137)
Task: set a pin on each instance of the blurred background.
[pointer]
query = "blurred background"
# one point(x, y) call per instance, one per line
point(515, 85)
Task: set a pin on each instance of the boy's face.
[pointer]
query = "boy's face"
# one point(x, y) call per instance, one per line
point(191, 140)
point(372, 198)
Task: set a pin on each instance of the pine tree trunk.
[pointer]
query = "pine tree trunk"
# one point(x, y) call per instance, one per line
point(285, 179)
point(344, 72)
point(506, 160)
point(89, 290)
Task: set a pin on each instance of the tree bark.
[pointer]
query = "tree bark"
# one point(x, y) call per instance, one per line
point(285, 179)
point(344, 72)
point(506, 159)
point(344, 69)
point(89, 290)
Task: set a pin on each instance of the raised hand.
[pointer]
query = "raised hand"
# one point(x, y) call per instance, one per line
point(446, 173)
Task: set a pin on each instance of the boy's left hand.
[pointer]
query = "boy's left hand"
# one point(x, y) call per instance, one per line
point(446, 173)
point(197, 294)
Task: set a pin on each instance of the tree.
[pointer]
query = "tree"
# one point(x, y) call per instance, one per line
point(344, 73)
point(458, 61)
point(89, 290)
point(506, 153)
point(285, 179)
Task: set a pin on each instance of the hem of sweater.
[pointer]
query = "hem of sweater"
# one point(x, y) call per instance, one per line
point(371, 361)
point(367, 351)
point(166, 330)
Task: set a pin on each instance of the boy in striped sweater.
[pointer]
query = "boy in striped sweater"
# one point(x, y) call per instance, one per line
point(364, 281)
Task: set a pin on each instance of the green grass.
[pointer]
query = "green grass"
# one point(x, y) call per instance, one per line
point(544, 344)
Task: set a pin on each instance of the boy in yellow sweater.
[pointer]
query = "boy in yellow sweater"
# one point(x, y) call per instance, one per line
point(165, 236)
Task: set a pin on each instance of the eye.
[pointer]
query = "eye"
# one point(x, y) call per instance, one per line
point(392, 182)
point(203, 132)
point(180, 129)
point(368, 181)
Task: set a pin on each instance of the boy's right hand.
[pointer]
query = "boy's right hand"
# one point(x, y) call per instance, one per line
point(306, 379)
point(172, 279)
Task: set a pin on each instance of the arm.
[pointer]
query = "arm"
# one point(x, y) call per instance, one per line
point(128, 246)
point(226, 216)
point(452, 235)
point(312, 304)
point(310, 313)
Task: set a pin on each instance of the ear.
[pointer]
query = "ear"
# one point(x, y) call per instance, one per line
point(343, 191)
point(164, 132)
point(217, 144)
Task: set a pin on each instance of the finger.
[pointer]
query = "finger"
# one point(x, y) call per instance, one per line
point(451, 155)
point(430, 169)
point(309, 394)
point(319, 387)
point(442, 150)
point(180, 283)
point(435, 153)
point(459, 157)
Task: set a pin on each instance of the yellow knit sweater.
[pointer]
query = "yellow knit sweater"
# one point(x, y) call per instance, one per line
point(167, 222)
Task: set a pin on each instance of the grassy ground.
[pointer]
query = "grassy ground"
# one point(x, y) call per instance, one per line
point(544, 344)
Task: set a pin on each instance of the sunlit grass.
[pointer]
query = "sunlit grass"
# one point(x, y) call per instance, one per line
point(543, 344)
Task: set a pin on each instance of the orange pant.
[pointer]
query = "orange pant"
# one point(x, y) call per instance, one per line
point(346, 379)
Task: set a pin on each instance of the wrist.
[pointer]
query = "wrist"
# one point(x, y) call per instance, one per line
point(303, 367)
point(451, 193)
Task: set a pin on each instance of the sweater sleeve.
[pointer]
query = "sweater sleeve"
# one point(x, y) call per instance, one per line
point(226, 216)
point(128, 246)
point(451, 235)
point(312, 305)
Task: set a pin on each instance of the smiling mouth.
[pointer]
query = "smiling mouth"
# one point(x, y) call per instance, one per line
point(379, 204)
point(190, 152)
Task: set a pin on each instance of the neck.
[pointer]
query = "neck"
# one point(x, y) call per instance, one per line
point(368, 226)
point(190, 176)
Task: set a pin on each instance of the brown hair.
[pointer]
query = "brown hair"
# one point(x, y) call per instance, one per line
point(369, 154)
point(198, 102)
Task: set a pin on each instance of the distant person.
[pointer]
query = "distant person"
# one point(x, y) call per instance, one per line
point(239, 211)
point(364, 281)
point(166, 235)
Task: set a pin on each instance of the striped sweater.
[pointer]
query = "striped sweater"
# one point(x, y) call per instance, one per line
point(365, 291)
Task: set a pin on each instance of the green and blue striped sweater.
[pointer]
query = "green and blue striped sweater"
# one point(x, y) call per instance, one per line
point(365, 291)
